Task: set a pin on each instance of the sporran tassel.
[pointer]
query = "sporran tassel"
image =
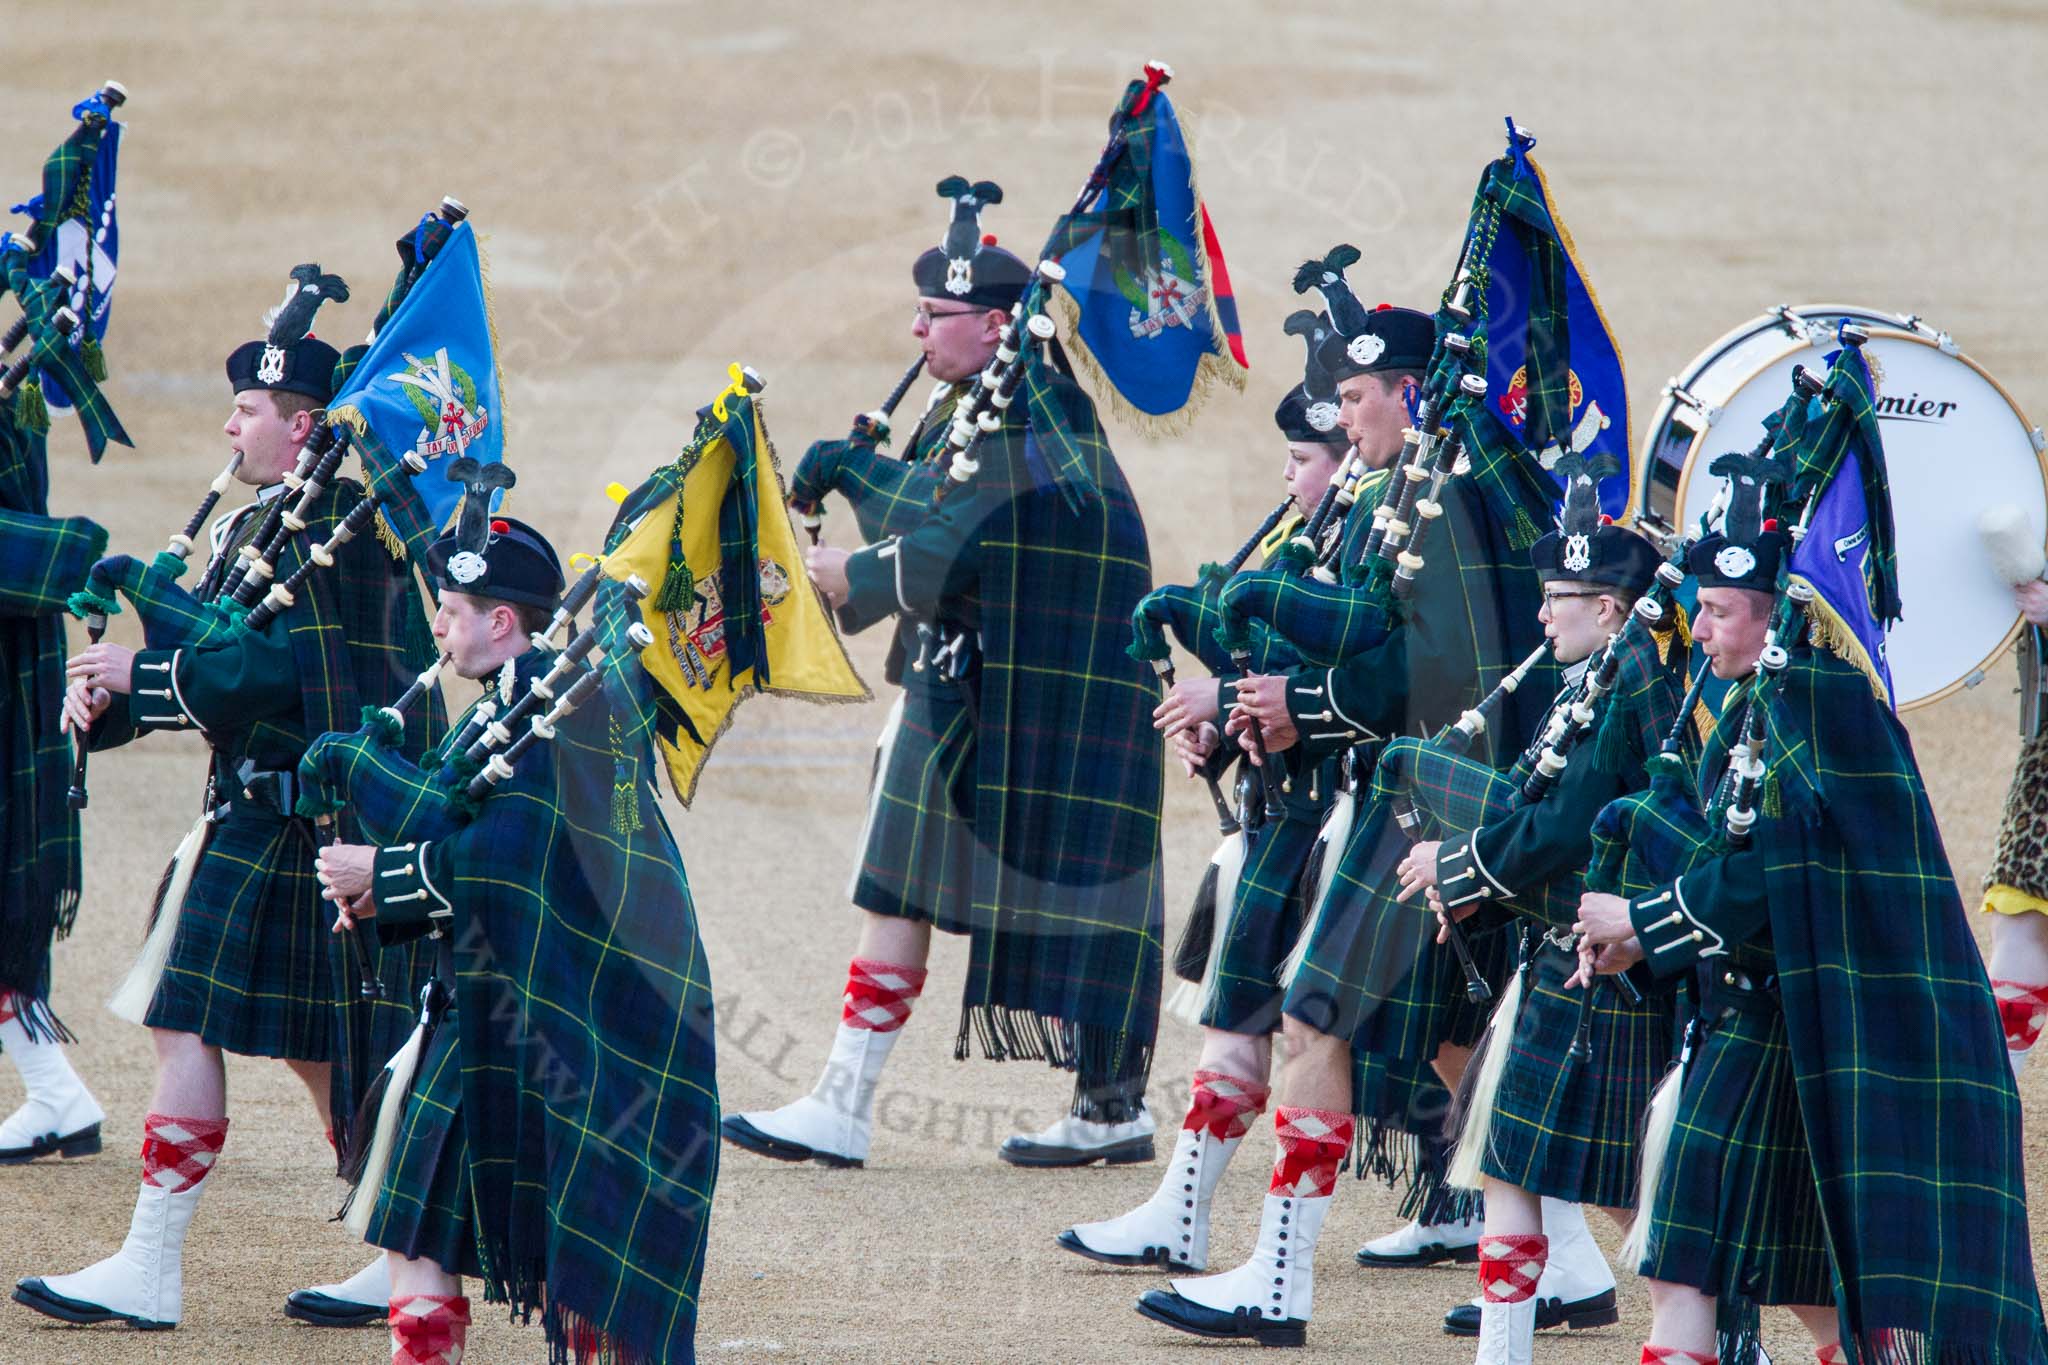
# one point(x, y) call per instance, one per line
point(1207, 927)
point(1477, 1098)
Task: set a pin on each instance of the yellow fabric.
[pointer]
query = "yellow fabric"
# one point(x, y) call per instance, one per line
point(2009, 900)
point(1280, 535)
point(805, 656)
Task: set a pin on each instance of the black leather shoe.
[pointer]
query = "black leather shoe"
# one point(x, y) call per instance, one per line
point(1433, 1253)
point(33, 1293)
point(740, 1133)
point(84, 1142)
point(1022, 1151)
point(322, 1310)
point(1577, 1316)
point(1158, 1256)
point(1240, 1324)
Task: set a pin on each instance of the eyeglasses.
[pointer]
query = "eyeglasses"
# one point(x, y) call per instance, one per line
point(926, 316)
point(1551, 597)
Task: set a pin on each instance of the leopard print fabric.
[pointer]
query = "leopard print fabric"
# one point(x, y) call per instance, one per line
point(2021, 859)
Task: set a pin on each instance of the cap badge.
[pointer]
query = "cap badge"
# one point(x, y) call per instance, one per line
point(1733, 561)
point(270, 370)
point(1365, 349)
point(1578, 553)
point(1322, 416)
point(959, 269)
point(467, 566)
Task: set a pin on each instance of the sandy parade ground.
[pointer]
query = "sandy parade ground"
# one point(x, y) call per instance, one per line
point(664, 188)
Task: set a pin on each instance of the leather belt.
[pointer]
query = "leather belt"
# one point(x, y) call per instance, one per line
point(1731, 990)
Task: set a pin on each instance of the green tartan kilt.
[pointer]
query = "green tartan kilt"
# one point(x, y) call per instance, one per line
point(1736, 1213)
point(1573, 1129)
point(1376, 975)
point(918, 853)
point(1265, 920)
point(251, 966)
point(423, 1208)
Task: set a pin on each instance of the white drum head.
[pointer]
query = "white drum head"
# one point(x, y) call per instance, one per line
point(1955, 443)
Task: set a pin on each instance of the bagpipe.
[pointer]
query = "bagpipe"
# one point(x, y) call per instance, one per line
point(393, 800)
point(869, 434)
point(1328, 612)
point(1085, 230)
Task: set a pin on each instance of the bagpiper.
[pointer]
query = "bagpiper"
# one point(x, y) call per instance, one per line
point(42, 558)
point(239, 958)
point(1250, 909)
point(1371, 1038)
point(1844, 1138)
point(567, 1165)
point(1012, 802)
point(1565, 1072)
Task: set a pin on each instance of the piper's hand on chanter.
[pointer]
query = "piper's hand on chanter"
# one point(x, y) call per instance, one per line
point(1193, 746)
point(1606, 959)
point(1603, 918)
point(83, 704)
point(1262, 698)
point(344, 872)
point(1418, 870)
point(362, 907)
point(2032, 599)
point(827, 566)
point(1190, 702)
point(103, 665)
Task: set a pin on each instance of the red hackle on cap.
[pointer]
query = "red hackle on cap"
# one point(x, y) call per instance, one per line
point(988, 239)
point(499, 528)
point(1770, 523)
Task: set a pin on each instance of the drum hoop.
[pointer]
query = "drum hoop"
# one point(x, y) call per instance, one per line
point(1692, 452)
point(1640, 475)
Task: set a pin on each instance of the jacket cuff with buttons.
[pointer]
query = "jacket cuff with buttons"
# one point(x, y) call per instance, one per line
point(407, 893)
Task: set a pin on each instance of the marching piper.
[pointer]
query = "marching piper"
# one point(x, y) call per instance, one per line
point(1476, 613)
point(1558, 1100)
point(238, 958)
point(567, 1165)
point(1012, 801)
point(1258, 914)
point(1846, 1141)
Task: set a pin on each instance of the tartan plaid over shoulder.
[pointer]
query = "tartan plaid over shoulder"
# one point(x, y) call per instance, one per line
point(1069, 777)
point(1904, 1087)
point(41, 559)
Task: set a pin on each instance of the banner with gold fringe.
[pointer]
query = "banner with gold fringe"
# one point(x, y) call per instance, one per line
point(732, 610)
point(1151, 323)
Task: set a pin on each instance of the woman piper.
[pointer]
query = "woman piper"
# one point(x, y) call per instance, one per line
point(1565, 1075)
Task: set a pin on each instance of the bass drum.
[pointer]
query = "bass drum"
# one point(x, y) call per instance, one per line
point(1955, 443)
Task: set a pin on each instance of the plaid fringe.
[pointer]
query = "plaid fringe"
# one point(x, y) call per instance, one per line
point(1110, 1066)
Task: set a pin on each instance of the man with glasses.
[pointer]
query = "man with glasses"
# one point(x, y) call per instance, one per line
point(1013, 800)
